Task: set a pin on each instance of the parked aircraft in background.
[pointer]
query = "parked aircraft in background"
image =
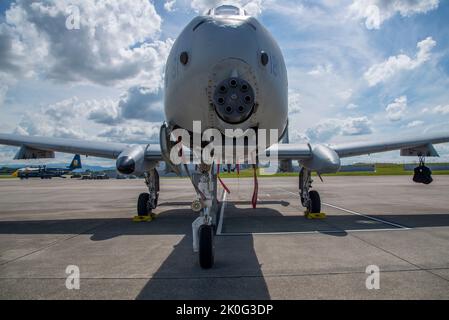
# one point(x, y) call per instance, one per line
point(45, 172)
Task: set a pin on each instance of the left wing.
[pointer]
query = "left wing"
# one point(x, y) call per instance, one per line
point(417, 146)
point(42, 147)
point(421, 146)
point(326, 158)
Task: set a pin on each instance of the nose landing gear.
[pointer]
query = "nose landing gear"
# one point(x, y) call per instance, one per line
point(206, 246)
point(204, 180)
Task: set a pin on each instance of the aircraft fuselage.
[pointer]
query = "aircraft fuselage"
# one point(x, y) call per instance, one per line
point(227, 72)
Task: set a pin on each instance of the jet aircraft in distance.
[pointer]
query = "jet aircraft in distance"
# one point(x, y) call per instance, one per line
point(225, 81)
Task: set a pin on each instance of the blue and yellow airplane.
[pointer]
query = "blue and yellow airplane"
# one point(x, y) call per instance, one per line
point(45, 172)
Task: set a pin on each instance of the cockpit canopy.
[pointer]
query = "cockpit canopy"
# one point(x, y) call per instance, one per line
point(227, 10)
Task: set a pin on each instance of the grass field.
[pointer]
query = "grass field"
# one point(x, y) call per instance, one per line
point(382, 169)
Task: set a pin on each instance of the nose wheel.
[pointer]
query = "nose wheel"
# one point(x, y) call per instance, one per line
point(204, 180)
point(206, 246)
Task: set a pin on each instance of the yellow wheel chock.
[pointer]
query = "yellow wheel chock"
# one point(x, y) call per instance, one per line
point(147, 218)
point(310, 215)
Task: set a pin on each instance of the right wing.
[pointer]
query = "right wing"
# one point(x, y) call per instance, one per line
point(45, 145)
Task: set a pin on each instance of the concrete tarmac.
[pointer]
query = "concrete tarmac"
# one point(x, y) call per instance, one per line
point(272, 252)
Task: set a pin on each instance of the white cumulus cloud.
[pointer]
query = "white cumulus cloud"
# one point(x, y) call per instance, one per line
point(415, 123)
point(135, 133)
point(169, 5)
point(327, 129)
point(440, 109)
point(376, 12)
point(117, 41)
point(294, 103)
point(385, 70)
point(396, 110)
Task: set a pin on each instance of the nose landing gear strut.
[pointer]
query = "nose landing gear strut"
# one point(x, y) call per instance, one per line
point(204, 180)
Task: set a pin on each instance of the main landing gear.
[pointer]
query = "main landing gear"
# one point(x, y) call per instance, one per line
point(310, 199)
point(147, 202)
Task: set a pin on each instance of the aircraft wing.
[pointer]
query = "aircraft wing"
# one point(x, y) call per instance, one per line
point(42, 147)
point(416, 146)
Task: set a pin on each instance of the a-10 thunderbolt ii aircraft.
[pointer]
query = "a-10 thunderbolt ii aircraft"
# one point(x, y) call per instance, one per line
point(227, 73)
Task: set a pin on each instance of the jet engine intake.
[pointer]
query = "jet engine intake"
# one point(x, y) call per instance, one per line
point(132, 161)
point(323, 160)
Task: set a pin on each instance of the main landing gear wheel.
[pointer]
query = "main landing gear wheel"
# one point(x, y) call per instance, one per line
point(206, 246)
point(315, 202)
point(143, 208)
point(148, 201)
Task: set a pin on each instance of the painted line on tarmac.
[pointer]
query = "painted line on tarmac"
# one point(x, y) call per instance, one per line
point(397, 227)
point(234, 234)
point(368, 217)
point(359, 214)
point(223, 205)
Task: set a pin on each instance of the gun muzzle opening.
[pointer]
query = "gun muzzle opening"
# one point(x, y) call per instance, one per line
point(234, 100)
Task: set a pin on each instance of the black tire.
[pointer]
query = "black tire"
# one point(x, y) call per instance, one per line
point(155, 202)
point(315, 202)
point(142, 205)
point(206, 252)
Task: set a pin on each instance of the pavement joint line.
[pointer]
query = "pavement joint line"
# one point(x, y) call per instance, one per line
point(399, 257)
point(52, 244)
point(358, 213)
point(281, 275)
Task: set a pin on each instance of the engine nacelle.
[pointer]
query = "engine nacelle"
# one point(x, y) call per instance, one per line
point(132, 161)
point(324, 160)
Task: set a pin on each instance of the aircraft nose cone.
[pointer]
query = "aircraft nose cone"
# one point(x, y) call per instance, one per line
point(125, 165)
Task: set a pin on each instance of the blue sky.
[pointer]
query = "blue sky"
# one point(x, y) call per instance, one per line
point(358, 69)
